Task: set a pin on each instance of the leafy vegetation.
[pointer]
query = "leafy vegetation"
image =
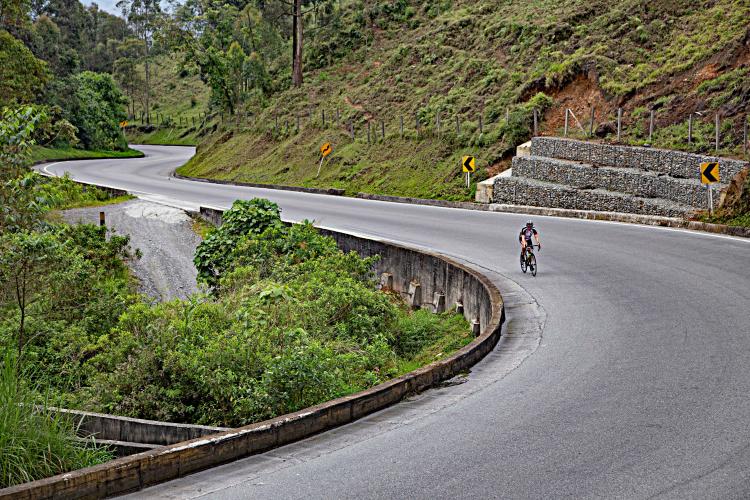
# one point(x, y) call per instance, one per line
point(58, 283)
point(292, 322)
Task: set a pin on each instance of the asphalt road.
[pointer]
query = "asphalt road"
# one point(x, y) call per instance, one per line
point(640, 386)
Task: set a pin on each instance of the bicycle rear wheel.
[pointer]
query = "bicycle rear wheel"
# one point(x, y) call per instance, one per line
point(532, 264)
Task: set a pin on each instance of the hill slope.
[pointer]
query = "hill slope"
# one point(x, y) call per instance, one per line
point(427, 62)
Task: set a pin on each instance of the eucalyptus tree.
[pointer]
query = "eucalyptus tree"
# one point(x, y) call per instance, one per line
point(144, 17)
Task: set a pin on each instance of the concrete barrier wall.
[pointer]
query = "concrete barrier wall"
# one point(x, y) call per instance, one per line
point(435, 273)
point(135, 430)
point(674, 163)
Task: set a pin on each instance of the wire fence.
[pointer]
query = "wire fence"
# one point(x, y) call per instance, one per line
point(728, 136)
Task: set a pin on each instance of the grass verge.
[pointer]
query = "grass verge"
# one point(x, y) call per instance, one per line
point(40, 153)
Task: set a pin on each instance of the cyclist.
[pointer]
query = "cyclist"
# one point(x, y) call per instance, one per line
point(525, 237)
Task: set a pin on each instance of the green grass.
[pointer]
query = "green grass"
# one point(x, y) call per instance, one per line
point(35, 442)
point(40, 153)
point(167, 136)
point(481, 57)
point(98, 203)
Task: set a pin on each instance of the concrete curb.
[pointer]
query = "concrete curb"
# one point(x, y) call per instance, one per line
point(650, 220)
point(480, 298)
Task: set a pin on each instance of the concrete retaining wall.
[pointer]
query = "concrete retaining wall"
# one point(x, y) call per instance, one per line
point(642, 183)
point(480, 298)
point(674, 163)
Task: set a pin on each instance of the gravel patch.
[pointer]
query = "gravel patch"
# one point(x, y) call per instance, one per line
point(165, 238)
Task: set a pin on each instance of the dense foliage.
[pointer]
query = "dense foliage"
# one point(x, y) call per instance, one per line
point(293, 322)
point(60, 287)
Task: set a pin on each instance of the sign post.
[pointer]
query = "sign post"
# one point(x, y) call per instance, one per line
point(468, 165)
point(709, 176)
point(325, 150)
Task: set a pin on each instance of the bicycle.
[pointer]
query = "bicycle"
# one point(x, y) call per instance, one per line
point(528, 260)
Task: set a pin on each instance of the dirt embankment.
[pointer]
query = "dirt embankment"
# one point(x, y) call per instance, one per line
point(165, 238)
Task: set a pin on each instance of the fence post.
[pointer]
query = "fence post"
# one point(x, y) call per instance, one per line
point(591, 125)
point(382, 129)
point(565, 130)
point(619, 124)
point(536, 123)
point(744, 137)
point(338, 115)
point(368, 132)
point(416, 122)
point(402, 126)
point(507, 114)
point(716, 127)
point(690, 128)
point(651, 127)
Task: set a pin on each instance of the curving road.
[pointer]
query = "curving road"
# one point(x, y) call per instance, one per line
point(639, 388)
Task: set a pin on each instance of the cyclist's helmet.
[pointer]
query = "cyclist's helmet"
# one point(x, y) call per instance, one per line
point(529, 223)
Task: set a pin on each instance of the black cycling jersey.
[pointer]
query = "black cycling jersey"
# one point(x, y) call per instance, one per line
point(527, 233)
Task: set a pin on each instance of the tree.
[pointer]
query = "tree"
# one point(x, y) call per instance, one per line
point(22, 76)
point(94, 105)
point(144, 17)
point(27, 262)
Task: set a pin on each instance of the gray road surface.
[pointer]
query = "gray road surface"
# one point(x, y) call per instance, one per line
point(640, 387)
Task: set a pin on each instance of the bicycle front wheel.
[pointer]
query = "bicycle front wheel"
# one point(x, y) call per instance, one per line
point(523, 263)
point(532, 264)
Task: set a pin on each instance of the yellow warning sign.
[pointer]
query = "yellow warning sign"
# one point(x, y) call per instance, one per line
point(468, 164)
point(123, 124)
point(710, 172)
point(326, 149)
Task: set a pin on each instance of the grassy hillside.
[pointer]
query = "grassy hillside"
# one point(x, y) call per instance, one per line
point(466, 59)
point(179, 99)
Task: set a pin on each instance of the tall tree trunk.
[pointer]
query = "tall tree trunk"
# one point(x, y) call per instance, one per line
point(297, 44)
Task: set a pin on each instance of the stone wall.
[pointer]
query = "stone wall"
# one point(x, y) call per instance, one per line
point(521, 191)
point(674, 163)
point(624, 180)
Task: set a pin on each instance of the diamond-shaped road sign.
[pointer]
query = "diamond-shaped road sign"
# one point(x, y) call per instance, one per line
point(710, 172)
point(326, 149)
point(468, 164)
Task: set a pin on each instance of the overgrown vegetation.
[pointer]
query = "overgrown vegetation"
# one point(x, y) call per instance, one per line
point(386, 61)
point(291, 322)
point(59, 286)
